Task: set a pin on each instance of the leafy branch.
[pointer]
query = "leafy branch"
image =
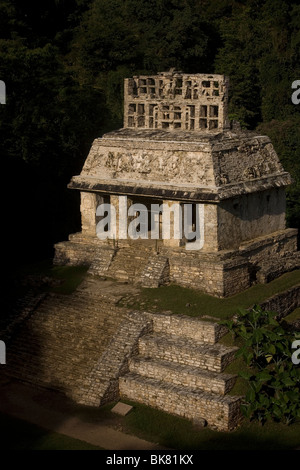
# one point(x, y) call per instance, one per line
point(274, 381)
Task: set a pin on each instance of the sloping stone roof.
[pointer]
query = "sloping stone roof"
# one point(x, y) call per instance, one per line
point(181, 165)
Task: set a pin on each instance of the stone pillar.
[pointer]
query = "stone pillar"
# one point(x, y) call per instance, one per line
point(121, 232)
point(170, 215)
point(211, 228)
point(88, 207)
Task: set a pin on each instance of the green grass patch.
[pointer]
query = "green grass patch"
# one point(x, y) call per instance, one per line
point(295, 315)
point(180, 300)
point(178, 433)
point(68, 277)
point(20, 435)
point(241, 385)
point(71, 277)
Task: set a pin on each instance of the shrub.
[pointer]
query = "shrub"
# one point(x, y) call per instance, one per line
point(274, 381)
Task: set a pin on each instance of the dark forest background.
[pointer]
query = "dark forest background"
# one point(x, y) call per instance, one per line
point(64, 61)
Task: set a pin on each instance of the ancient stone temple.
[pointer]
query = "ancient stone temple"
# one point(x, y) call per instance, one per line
point(178, 195)
point(178, 149)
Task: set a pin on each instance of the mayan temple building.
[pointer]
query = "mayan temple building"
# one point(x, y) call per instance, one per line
point(178, 146)
point(176, 154)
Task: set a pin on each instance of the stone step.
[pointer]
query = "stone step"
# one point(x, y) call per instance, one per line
point(62, 341)
point(183, 375)
point(77, 302)
point(156, 272)
point(71, 310)
point(189, 327)
point(122, 275)
point(173, 348)
point(134, 261)
point(220, 412)
point(102, 261)
point(21, 310)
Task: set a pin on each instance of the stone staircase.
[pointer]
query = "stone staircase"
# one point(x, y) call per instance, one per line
point(137, 262)
point(128, 263)
point(102, 261)
point(59, 344)
point(180, 369)
point(18, 311)
point(156, 272)
point(87, 347)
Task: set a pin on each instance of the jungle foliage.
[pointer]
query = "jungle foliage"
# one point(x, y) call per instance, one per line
point(64, 61)
point(273, 378)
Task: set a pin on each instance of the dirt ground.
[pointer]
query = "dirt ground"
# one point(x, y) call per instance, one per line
point(52, 411)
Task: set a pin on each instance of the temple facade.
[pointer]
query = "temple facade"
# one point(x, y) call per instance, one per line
point(179, 158)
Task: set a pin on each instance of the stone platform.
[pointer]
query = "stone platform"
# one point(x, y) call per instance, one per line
point(93, 351)
point(150, 263)
point(87, 347)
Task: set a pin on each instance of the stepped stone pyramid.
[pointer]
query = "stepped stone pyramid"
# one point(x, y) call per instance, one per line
point(180, 367)
point(93, 351)
point(59, 341)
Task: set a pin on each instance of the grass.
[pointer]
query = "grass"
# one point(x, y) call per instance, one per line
point(21, 435)
point(180, 300)
point(71, 277)
point(68, 277)
point(179, 433)
point(295, 315)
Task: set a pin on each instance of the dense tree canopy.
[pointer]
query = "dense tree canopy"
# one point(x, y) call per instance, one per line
point(64, 61)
